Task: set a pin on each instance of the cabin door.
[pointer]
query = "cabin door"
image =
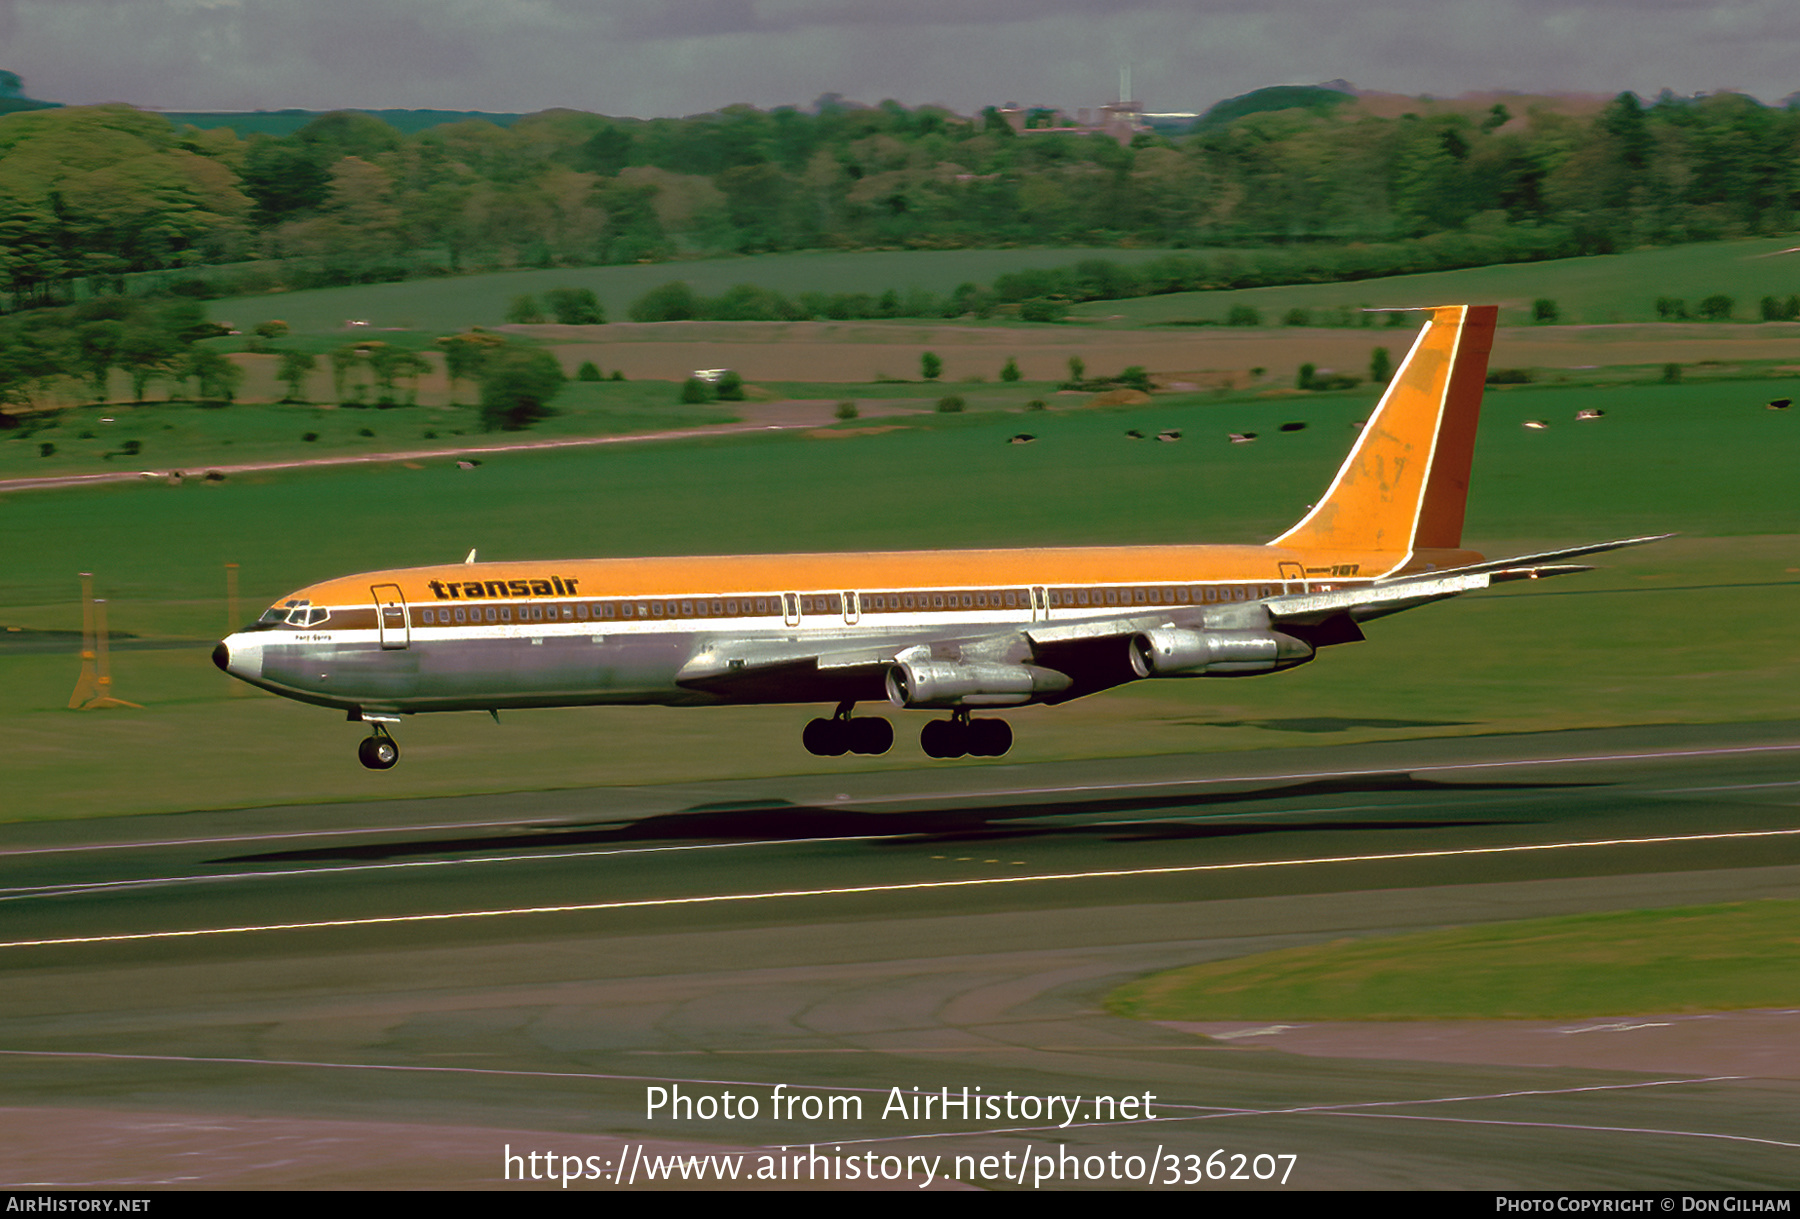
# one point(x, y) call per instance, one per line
point(391, 622)
point(1295, 575)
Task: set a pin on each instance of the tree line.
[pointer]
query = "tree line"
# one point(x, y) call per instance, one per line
point(92, 195)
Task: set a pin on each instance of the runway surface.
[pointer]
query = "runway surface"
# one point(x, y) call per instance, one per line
point(403, 993)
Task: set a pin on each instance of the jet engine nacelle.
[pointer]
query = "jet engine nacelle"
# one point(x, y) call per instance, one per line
point(944, 683)
point(1174, 652)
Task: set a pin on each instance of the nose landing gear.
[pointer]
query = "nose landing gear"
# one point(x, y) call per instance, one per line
point(378, 750)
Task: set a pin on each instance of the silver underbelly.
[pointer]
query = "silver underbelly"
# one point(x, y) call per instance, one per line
point(449, 675)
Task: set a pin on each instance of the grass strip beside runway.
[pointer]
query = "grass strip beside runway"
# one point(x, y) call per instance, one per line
point(1675, 960)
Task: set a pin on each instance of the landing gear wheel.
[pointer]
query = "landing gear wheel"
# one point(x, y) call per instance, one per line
point(871, 735)
point(944, 739)
point(989, 738)
point(378, 752)
point(827, 738)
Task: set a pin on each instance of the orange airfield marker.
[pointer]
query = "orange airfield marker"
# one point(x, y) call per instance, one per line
point(93, 689)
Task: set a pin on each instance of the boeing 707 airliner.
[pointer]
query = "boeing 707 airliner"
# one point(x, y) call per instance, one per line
point(958, 632)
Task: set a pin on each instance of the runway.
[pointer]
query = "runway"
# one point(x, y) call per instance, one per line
point(398, 994)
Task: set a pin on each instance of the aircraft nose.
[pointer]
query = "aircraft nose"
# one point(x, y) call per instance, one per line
point(239, 655)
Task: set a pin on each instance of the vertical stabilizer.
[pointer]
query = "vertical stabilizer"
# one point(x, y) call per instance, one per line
point(1405, 484)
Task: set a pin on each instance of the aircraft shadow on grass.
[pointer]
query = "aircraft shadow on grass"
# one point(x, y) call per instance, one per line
point(781, 820)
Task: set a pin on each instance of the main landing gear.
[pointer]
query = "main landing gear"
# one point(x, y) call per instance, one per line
point(959, 735)
point(378, 750)
point(841, 734)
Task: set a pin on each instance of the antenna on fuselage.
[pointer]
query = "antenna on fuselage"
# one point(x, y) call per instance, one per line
point(471, 557)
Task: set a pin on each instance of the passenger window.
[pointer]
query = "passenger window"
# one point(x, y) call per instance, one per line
point(506, 613)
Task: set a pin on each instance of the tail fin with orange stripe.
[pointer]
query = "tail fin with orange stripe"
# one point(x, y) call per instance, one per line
point(1404, 485)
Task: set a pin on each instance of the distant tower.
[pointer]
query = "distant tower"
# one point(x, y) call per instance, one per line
point(1124, 118)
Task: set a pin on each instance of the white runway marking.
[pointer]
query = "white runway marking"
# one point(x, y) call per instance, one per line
point(899, 887)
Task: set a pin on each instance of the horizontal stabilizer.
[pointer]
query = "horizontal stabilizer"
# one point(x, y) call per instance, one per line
point(1542, 561)
point(1404, 592)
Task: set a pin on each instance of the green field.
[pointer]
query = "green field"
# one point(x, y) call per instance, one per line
point(1588, 291)
point(189, 436)
point(1596, 290)
point(1697, 629)
point(443, 306)
point(1684, 959)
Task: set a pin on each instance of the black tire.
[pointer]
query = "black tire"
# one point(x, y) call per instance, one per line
point(378, 752)
point(825, 738)
point(990, 738)
point(944, 739)
point(872, 735)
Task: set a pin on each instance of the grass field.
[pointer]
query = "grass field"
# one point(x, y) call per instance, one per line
point(1697, 629)
point(443, 306)
point(1686, 959)
point(1600, 290)
point(187, 436)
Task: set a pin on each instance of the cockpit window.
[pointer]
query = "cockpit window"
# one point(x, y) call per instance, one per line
point(292, 613)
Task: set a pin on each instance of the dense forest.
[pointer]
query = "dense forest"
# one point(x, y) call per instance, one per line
point(92, 196)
